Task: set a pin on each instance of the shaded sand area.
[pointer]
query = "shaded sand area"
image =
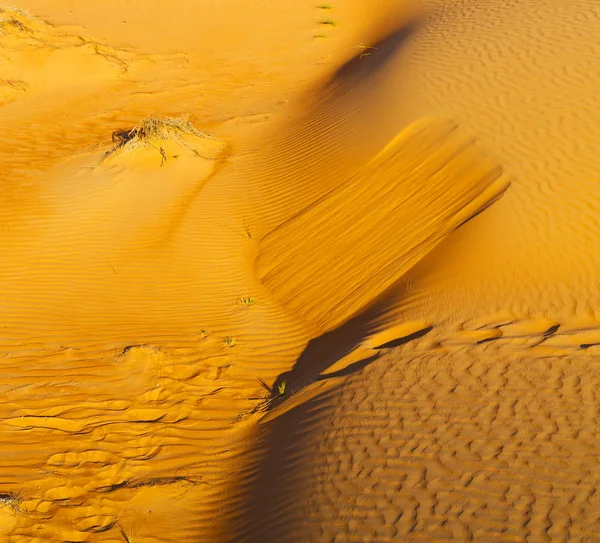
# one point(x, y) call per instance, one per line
point(282, 271)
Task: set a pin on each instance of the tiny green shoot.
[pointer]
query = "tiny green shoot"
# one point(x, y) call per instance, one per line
point(281, 388)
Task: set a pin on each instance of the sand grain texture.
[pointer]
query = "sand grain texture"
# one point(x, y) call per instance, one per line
point(388, 213)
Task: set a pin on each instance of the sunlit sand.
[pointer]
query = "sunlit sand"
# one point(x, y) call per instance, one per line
point(299, 271)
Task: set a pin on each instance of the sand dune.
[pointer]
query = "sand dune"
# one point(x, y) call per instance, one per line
point(342, 234)
point(290, 272)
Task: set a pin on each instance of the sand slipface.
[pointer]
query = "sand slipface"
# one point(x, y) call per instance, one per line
point(299, 272)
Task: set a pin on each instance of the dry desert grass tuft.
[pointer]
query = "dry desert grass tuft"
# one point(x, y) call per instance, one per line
point(13, 18)
point(365, 307)
point(152, 132)
point(11, 500)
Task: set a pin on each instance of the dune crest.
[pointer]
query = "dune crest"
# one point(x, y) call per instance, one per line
point(263, 277)
point(345, 249)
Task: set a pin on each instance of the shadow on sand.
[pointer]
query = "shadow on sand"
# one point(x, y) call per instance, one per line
point(268, 499)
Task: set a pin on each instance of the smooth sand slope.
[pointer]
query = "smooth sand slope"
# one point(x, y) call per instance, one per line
point(341, 285)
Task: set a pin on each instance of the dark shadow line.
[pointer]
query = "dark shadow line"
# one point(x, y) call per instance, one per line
point(402, 340)
point(483, 208)
point(365, 65)
point(348, 370)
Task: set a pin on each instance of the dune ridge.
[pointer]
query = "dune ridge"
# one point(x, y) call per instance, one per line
point(319, 312)
point(386, 219)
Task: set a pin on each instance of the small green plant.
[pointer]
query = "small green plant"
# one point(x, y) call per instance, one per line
point(281, 388)
point(229, 341)
point(320, 36)
point(246, 300)
point(205, 332)
point(265, 400)
point(325, 6)
point(329, 22)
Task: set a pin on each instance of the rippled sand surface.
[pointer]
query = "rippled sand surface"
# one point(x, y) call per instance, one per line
point(282, 271)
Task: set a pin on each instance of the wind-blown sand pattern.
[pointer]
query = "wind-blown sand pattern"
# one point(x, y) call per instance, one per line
point(300, 272)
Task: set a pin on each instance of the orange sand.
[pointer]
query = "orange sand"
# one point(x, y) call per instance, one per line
point(385, 213)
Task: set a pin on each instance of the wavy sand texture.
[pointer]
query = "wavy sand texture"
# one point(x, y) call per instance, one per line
point(433, 347)
point(120, 390)
point(134, 328)
point(477, 445)
point(485, 429)
point(347, 248)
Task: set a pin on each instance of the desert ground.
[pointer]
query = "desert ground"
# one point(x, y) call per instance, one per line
point(300, 271)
